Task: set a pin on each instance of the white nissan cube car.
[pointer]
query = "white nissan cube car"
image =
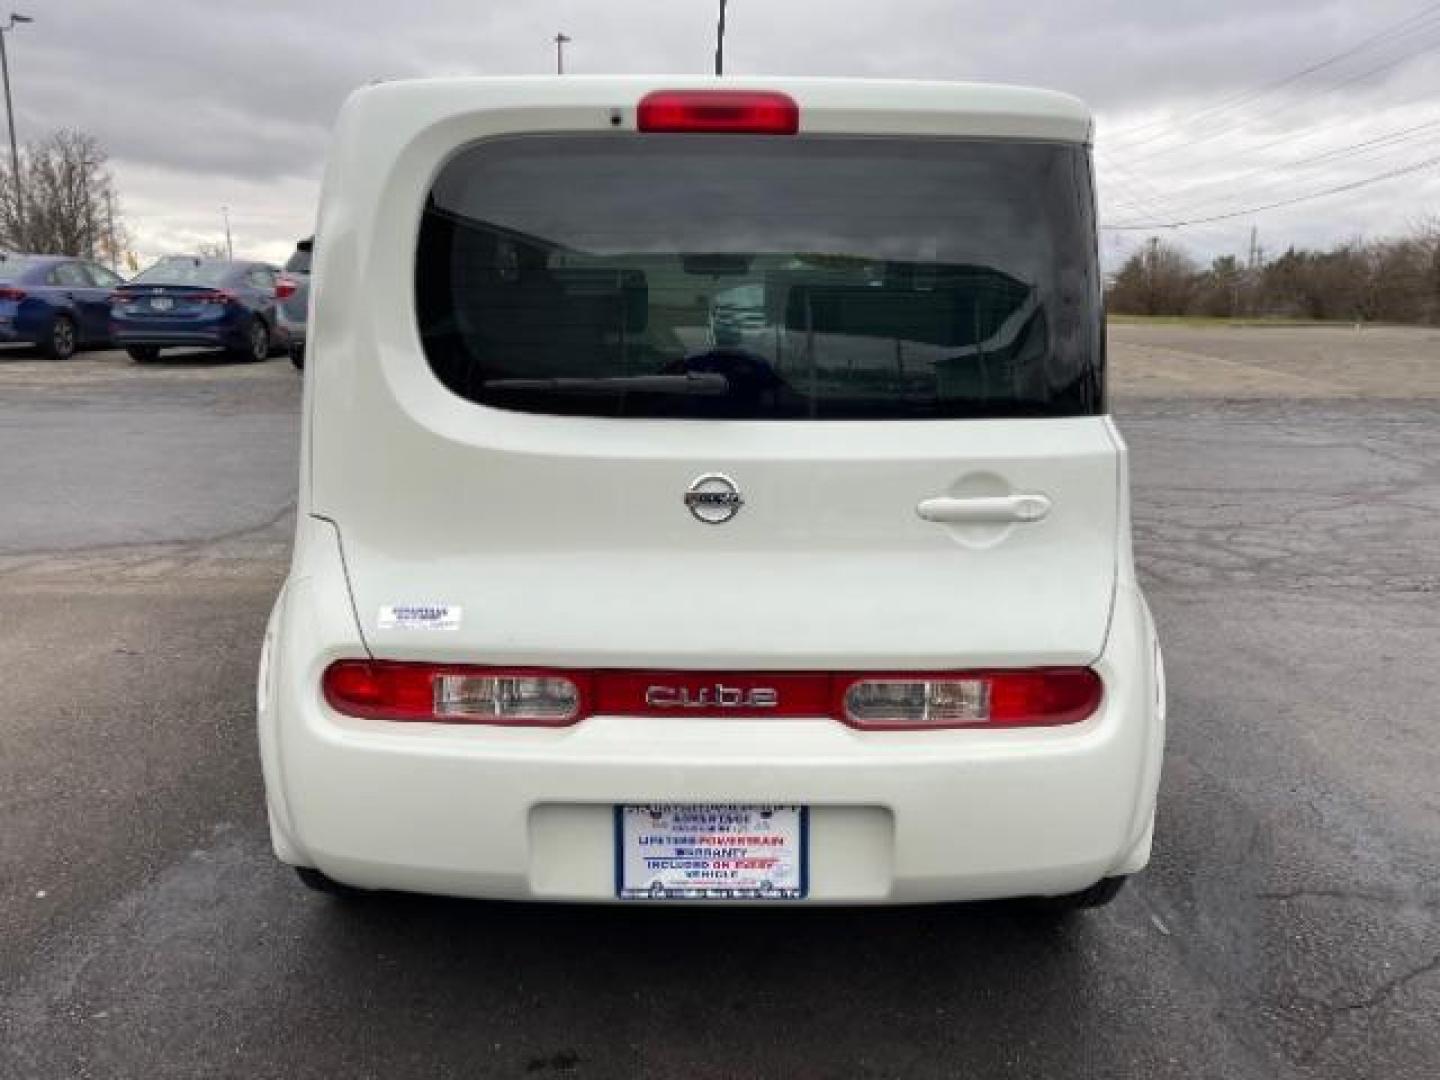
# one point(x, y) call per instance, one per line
point(707, 495)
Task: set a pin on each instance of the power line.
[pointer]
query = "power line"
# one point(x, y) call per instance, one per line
point(1348, 151)
point(1325, 192)
point(1379, 144)
point(1155, 203)
point(1307, 134)
point(1227, 128)
point(1129, 182)
point(1246, 96)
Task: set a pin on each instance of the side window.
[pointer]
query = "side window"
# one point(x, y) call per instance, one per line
point(261, 279)
point(69, 274)
point(102, 277)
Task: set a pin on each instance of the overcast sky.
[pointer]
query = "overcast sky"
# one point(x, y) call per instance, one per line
point(230, 103)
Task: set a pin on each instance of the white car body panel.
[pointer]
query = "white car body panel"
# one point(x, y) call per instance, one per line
point(564, 542)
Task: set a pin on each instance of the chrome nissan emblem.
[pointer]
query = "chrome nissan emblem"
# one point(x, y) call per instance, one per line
point(713, 498)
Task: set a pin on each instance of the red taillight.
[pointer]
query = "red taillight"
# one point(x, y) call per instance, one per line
point(464, 694)
point(285, 288)
point(753, 112)
point(8, 292)
point(1031, 697)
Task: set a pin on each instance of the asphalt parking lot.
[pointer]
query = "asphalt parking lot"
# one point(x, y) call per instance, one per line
point(1287, 511)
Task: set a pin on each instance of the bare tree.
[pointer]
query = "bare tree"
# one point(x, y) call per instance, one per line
point(1159, 279)
point(1395, 280)
point(1220, 290)
point(68, 204)
point(1426, 235)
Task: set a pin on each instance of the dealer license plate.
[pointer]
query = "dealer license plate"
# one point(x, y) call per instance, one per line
point(711, 852)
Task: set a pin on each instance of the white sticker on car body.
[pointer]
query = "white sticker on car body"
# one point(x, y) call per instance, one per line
point(419, 617)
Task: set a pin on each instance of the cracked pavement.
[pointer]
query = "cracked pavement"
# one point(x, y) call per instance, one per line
point(1287, 517)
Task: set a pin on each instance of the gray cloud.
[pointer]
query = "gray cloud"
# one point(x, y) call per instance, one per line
point(203, 104)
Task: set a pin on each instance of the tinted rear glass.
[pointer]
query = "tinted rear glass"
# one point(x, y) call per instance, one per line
point(764, 278)
point(186, 272)
point(299, 262)
point(13, 267)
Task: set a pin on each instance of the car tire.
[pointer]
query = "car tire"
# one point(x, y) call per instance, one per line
point(257, 344)
point(1097, 895)
point(317, 882)
point(63, 341)
point(143, 354)
point(297, 357)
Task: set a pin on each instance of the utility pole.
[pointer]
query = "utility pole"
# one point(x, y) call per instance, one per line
point(229, 243)
point(91, 228)
point(1152, 259)
point(110, 228)
point(720, 42)
point(1251, 276)
point(10, 116)
point(560, 42)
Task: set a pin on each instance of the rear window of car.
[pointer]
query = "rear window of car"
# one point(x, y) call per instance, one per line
point(180, 271)
point(14, 267)
point(754, 277)
point(299, 261)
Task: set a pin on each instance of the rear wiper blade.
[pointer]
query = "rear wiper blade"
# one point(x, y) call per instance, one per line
point(699, 385)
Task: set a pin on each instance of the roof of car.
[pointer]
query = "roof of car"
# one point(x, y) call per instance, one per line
point(205, 260)
point(36, 260)
point(827, 105)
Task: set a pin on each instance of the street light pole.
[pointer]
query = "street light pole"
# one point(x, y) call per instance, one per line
point(10, 116)
point(229, 244)
point(560, 42)
point(720, 42)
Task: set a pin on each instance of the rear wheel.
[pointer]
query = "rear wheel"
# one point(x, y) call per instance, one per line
point(257, 343)
point(315, 880)
point(63, 339)
point(143, 354)
point(1097, 895)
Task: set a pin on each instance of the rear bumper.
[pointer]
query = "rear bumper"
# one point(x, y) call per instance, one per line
point(217, 336)
point(896, 817)
point(24, 325)
point(294, 327)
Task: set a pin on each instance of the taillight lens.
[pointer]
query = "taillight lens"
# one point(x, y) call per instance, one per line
point(8, 292)
point(531, 699)
point(752, 112)
point(464, 694)
point(119, 299)
point(1034, 697)
point(934, 703)
point(215, 296)
point(285, 288)
point(382, 690)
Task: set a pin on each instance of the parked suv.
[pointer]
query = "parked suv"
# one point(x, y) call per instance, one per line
point(708, 495)
point(292, 293)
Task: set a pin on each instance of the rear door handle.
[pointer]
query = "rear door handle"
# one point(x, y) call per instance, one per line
point(986, 510)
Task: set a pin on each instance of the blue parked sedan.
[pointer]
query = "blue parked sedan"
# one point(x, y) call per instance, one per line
point(186, 300)
point(54, 301)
